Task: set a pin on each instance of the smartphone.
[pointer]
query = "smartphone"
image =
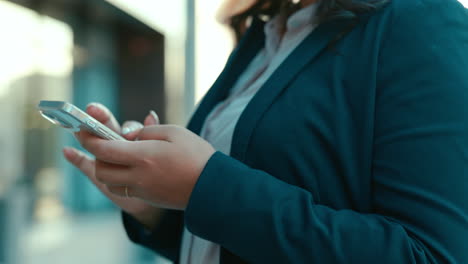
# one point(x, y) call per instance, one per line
point(72, 118)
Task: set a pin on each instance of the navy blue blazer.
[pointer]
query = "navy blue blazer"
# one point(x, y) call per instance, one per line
point(354, 154)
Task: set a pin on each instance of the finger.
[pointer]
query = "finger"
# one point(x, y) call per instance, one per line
point(85, 164)
point(130, 129)
point(122, 191)
point(151, 119)
point(83, 135)
point(127, 153)
point(103, 115)
point(159, 132)
point(80, 160)
point(114, 175)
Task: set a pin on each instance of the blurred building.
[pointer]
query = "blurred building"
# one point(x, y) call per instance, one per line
point(131, 56)
point(79, 51)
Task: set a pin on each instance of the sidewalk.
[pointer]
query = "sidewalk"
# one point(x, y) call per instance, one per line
point(93, 238)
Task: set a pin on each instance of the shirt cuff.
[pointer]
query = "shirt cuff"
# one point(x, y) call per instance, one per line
point(137, 232)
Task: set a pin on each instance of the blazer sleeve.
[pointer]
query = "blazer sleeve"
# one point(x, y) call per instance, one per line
point(165, 239)
point(419, 172)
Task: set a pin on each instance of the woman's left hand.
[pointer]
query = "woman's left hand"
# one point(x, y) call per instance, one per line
point(161, 168)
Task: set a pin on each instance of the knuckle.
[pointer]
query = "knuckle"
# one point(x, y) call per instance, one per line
point(139, 183)
point(114, 156)
point(172, 127)
point(98, 150)
point(86, 143)
point(149, 161)
point(100, 177)
point(174, 132)
point(145, 162)
point(77, 135)
point(112, 189)
point(144, 133)
point(178, 129)
point(80, 160)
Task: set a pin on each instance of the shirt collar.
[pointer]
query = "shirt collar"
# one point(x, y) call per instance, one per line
point(297, 21)
point(302, 17)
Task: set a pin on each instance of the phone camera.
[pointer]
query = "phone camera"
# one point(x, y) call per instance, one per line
point(56, 120)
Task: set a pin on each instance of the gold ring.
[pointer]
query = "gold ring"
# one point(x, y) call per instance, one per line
point(126, 191)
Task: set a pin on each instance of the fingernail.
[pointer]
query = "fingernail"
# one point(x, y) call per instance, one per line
point(93, 105)
point(128, 130)
point(97, 105)
point(68, 151)
point(155, 116)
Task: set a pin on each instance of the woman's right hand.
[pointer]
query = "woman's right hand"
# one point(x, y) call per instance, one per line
point(145, 213)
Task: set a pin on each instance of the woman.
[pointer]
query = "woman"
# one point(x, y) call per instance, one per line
point(337, 133)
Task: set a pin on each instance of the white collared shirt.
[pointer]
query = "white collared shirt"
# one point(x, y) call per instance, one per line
point(219, 125)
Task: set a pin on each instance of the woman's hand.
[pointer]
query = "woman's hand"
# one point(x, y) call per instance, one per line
point(161, 168)
point(142, 211)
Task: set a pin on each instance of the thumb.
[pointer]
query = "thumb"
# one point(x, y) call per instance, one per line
point(158, 132)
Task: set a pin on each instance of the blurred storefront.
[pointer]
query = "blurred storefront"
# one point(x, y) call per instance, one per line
point(132, 56)
point(79, 51)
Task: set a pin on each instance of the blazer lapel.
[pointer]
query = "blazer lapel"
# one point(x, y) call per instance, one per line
point(309, 49)
point(245, 51)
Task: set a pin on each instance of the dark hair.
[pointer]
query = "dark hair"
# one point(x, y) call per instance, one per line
point(327, 10)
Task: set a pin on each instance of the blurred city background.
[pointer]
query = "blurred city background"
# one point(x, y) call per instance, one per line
point(130, 55)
